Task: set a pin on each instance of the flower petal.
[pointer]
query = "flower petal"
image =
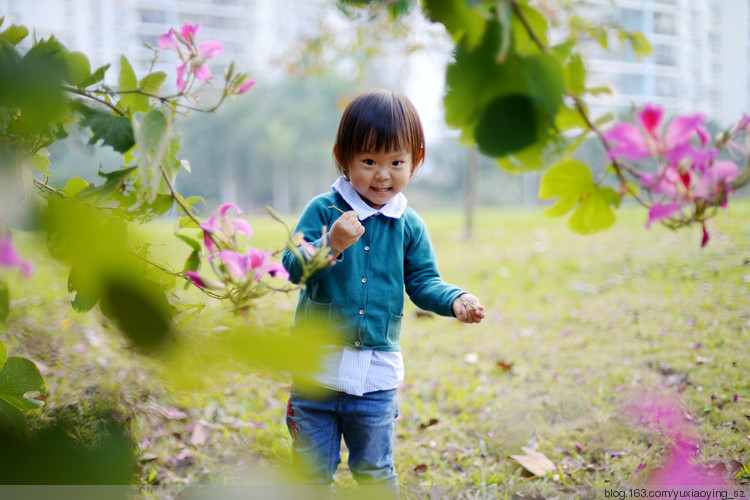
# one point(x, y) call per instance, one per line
point(236, 262)
point(189, 30)
point(210, 48)
point(203, 72)
point(196, 279)
point(168, 41)
point(256, 258)
point(245, 87)
point(660, 211)
point(650, 118)
point(10, 257)
point(181, 78)
point(629, 141)
point(226, 207)
point(682, 128)
point(242, 226)
point(275, 269)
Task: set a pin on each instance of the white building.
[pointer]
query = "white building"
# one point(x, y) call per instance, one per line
point(254, 32)
point(700, 58)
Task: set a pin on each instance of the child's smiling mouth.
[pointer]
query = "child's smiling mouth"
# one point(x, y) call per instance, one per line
point(380, 189)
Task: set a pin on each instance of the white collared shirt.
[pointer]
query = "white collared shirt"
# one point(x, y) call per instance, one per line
point(359, 371)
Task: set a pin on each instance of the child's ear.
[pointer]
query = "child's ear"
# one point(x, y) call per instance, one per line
point(336, 153)
point(421, 156)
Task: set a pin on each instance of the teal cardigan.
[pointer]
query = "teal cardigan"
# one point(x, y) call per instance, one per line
point(360, 298)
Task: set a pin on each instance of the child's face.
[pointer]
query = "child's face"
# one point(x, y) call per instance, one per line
point(380, 176)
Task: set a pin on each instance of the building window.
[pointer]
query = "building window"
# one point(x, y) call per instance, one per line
point(665, 24)
point(665, 55)
point(667, 87)
point(153, 16)
point(630, 19)
point(632, 84)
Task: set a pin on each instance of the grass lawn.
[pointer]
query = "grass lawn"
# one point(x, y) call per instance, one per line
point(577, 326)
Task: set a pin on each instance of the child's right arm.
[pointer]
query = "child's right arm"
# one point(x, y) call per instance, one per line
point(345, 232)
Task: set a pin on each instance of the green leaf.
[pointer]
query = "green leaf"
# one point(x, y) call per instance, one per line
point(75, 186)
point(561, 207)
point(113, 181)
point(594, 213)
point(475, 78)
point(461, 21)
point(78, 68)
point(508, 124)
point(140, 310)
point(4, 311)
point(193, 262)
point(83, 281)
point(575, 75)
point(151, 83)
point(566, 179)
point(113, 130)
point(530, 158)
point(40, 161)
point(13, 34)
point(127, 81)
point(544, 82)
point(95, 77)
point(152, 138)
point(11, 418)
point(568, 119)
point(3, 355)
point(192, 243)
point(187, 222)
point(18, 377)
point(524, 43)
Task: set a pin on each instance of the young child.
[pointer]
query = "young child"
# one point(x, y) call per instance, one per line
point(380, 246)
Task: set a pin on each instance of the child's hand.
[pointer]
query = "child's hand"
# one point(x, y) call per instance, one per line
point(345, 232)
point(468, 309)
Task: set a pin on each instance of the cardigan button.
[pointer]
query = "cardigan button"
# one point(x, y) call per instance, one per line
point(358, 343)
point(367, 248)
point(361, 312)
point(364, 280)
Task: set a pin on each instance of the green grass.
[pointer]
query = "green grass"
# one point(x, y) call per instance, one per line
point(576, 326)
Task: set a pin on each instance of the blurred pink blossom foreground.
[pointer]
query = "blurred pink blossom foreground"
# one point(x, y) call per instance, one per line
point(9, 257)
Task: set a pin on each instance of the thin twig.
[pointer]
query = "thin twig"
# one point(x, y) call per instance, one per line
point(94, 98)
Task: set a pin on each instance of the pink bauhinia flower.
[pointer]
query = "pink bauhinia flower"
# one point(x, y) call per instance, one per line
point(220, 225)
point(194, 59)
point(10, 257)
point(244, 88)
point(638, 143)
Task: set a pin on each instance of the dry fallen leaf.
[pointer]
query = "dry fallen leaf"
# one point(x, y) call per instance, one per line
point(200, 434)
point(534, 462)
point(419, 469)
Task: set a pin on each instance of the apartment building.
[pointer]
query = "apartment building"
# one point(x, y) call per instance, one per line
point(700, 58)
point(255, 33)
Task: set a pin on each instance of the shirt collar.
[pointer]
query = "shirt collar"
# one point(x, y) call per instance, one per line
point(393, 209)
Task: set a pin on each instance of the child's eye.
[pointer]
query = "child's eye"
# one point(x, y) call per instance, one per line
point(397, 163)
point(369, 162)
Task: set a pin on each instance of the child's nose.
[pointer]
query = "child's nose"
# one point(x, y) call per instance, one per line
point(381, 173)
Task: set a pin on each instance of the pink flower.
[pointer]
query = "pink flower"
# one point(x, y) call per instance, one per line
point(255, 261)
point(9, 257)
point(245, 87)
point(168, 41)
point(659, 211)
point(188, 31)
point(220, 225)
point(634, 143)
point(194, 60)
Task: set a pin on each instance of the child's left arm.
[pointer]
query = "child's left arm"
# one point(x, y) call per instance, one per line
point(468, 309)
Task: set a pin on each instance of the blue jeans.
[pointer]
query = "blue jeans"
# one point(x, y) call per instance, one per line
point(317, 424)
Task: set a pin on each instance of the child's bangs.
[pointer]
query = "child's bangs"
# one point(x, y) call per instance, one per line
point(385, 137)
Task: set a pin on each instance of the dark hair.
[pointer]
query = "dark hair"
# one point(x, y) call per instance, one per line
point(378, 120)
